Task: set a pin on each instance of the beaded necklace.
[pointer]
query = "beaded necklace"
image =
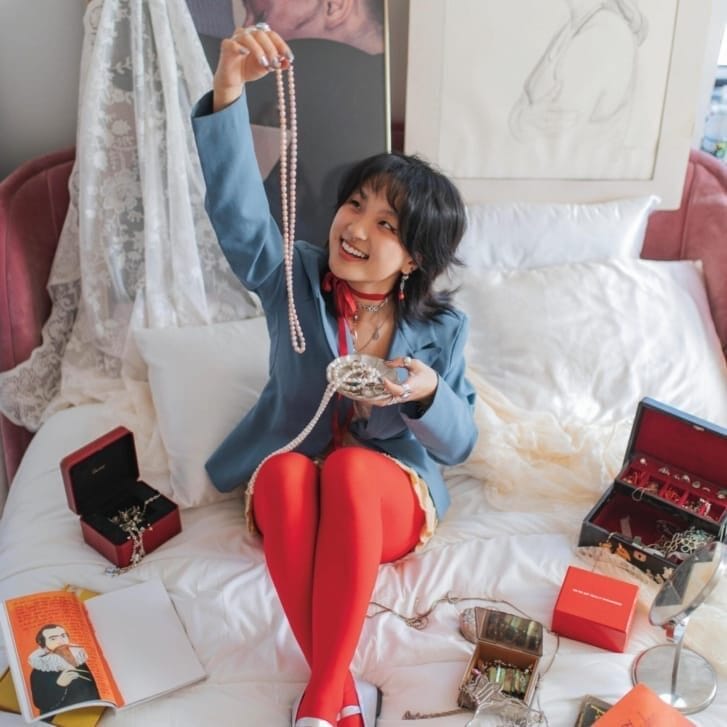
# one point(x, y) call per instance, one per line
point(288, 178)
point(347, 375)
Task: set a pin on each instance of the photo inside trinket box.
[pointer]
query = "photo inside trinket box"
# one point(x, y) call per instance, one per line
point(514, 671)
point(507, 654)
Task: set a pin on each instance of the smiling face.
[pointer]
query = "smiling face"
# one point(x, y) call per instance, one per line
point(358, 23)
point(364, 244)
point(300, 19)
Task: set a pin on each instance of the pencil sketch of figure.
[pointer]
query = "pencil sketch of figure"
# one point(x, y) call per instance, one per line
point(60, 676)
point(583, 85)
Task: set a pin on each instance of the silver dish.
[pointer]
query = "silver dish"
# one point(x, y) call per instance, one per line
point(360, 377)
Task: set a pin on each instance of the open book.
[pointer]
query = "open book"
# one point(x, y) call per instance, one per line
point(116, 650)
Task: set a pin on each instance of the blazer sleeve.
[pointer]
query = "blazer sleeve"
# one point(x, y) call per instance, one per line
point(447, 429)
point(235, 198)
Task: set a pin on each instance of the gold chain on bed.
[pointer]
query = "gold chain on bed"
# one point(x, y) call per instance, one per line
point(420, 621)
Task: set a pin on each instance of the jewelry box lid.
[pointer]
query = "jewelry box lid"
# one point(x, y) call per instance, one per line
point(515, 632)
point(686, 442)
point(98, 470)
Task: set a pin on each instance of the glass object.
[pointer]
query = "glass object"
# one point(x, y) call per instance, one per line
point(680, 676)
point(494, 708)
point(714, 140)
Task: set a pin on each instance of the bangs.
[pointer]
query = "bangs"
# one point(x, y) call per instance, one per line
point(393, 188)
point(380, 173)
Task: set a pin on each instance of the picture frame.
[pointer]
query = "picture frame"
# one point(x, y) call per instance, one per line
point(502, 118)
point(343, 109)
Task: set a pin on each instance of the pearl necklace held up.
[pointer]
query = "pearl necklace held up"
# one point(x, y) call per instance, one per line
point(288, 176)
point(344, 374)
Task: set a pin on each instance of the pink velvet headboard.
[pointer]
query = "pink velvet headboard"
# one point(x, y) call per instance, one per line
point(698, 231)
point(34, 200)
point(33, 206)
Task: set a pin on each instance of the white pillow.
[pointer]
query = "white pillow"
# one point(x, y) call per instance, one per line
point(587, 341)
point(203, 380)
point(525, 235)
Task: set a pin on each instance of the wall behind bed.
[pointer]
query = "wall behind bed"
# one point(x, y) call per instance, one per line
point(40, 58)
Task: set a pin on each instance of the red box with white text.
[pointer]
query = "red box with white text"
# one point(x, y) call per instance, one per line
point(595, 609)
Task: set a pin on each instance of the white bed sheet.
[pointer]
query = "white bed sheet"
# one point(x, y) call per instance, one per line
point(215, 574)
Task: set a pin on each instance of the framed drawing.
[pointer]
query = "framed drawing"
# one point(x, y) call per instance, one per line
point(341, 76)
point(586, 100)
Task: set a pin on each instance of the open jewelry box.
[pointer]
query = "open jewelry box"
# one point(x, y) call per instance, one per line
point(669, 498)
point(121, 516)
point(507, 653)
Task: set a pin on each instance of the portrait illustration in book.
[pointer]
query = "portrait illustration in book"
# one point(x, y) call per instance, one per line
point(60, 675)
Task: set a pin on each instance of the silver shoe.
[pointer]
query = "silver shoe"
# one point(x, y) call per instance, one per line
point(306, 721)
point(369, 703)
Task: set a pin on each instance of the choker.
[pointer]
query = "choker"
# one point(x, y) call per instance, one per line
point(371, 307)
point(345, 296)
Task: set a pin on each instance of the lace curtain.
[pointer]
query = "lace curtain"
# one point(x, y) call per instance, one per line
point(136, 249)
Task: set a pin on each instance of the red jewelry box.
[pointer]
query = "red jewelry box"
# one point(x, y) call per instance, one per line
point(670, 496)
point(595, 609)
point(122, 517)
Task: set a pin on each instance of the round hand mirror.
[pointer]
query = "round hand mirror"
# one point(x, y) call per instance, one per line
point(680, 676)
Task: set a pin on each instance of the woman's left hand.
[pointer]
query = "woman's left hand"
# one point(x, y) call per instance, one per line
point(420, 384)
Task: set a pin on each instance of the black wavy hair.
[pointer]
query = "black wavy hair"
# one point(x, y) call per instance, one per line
point(431, 217)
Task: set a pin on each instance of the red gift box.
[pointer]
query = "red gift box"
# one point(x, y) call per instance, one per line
point(595, 609)
point(121, 516)
point(670, 496)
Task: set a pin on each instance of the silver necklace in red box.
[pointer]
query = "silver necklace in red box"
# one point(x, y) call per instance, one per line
point(132, 520)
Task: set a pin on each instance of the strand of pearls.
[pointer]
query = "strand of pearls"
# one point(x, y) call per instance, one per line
point(347, 375)
point(288, 178)
point(293, 443)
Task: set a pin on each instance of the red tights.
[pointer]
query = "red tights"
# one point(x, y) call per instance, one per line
point(325, 532)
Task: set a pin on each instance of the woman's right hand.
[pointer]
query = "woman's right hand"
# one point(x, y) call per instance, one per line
point(249, 54)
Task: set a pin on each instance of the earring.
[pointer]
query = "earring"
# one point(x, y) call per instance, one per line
point(402, 283)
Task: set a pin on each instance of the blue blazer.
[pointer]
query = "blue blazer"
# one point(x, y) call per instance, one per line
point(252, 243)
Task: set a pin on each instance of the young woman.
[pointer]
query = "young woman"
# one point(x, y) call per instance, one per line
point(364, 487)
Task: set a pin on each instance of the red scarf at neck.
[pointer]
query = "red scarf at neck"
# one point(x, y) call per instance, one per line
point(344, 298)
point(346, 306)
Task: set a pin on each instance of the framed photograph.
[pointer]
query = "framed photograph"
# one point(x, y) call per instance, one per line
point(342, 91)
point(587, 100)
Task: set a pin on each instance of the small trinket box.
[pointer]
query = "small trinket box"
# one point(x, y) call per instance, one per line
point(507, 652)
point(595, 609)
point(670, 497)
point(591, 709)
point(121, 516)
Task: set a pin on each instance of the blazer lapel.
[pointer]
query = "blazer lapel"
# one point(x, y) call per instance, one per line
point(417, 343)
point(314, 267)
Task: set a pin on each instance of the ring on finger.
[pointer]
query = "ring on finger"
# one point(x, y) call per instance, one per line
point(263, 26)
point(407, 362)
point(406, 391)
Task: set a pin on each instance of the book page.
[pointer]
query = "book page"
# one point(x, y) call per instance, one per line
point(642, 707)
point(145, 644)
point(59, 663)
